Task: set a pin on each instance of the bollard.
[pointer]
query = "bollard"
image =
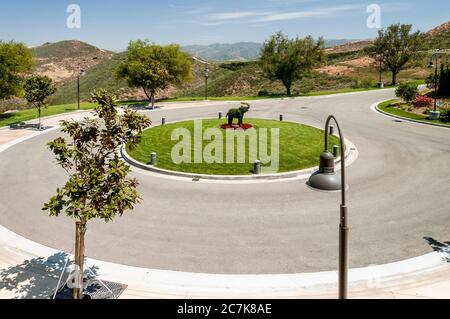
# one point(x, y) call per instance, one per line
point(281, 117)
point(331, 130)
point(220, 115)
point(163, 121)
point(336, 151)
point(153, 159)
point(257, 167)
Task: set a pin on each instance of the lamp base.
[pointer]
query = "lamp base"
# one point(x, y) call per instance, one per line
point(434, 115)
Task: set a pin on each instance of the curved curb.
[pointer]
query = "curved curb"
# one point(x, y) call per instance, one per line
point(376, 108)
point(6, 127)
point(153, 283)
point(351, 156)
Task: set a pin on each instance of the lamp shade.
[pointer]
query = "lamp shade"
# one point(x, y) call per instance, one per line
point(325, 178)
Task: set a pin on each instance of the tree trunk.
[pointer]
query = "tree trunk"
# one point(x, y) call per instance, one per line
point(288, 89)
point(76, 274)
point(152, 98)
point(39, 115)
point(146, 94)
point(394, 77)
point(287, 84)
point(80, 233)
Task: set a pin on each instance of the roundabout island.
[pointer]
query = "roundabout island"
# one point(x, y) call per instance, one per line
point(297, 147)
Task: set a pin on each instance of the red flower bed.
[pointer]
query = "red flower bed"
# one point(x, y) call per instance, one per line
point(423, 101)
point(244, 126)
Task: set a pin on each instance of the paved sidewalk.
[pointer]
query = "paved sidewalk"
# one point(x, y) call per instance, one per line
point(29, 270)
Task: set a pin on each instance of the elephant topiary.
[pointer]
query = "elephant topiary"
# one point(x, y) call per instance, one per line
point(238, 113)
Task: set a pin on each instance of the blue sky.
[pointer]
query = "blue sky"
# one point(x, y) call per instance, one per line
point(111, 24)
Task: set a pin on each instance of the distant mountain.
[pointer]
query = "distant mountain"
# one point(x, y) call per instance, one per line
point(350, 46)
point(439, 37)
point(67, 49)
point(60, 60)
point(347, 64)
point(241, 51)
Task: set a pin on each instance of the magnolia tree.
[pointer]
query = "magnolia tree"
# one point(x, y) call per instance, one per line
point(37, 90)
point(99, 186)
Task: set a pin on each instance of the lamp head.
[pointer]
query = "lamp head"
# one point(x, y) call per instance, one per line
point(325, 179)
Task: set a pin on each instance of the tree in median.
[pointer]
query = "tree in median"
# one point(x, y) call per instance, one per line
point(398, 46)
point(153, 67)
point(98, 185)
point(408, 92)
point(15, 60)
point(37, 90)
point(288, 60)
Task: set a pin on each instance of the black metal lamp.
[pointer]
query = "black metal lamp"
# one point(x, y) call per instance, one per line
point(326, 179)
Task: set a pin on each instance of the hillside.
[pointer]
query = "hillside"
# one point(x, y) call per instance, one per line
point(60, 60)
point(348, 66)
point(241, 51)
point(439, 37)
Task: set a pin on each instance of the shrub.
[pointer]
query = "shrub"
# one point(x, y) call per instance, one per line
point(423, 101)
point(407, 91)
point(445, 113)
point(263, 93)
point(363, 84)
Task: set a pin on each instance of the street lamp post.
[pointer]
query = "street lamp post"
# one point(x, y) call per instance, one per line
point(80, 72)
point(436, 57)
point(206, 74)
point(380, 83)
point(206, 81)
point(326, 179)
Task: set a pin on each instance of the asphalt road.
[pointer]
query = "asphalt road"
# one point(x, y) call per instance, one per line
point(399, 194)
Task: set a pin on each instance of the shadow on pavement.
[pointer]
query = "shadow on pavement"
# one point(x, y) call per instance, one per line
point(440, 247)
point(33, 279)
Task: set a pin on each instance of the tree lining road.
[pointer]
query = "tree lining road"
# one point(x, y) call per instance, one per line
point(398, 195)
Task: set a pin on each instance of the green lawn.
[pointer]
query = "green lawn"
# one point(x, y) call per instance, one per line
point(31, 114)
point(389, 107)
point(300, 147)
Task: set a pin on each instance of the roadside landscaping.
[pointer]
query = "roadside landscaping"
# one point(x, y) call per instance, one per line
point(9, 118)
point(13, 117)
point(400, 109)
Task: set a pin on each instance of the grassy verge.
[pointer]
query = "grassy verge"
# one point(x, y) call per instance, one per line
point(31, 114)
point(299, 147)
point(389, 107)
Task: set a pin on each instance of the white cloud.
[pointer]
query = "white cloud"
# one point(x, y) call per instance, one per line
point(282, 16)
point(261, 17)
point(235, 15)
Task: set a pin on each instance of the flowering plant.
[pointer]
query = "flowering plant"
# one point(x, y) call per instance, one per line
point(244, 126)
point(423, 101)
